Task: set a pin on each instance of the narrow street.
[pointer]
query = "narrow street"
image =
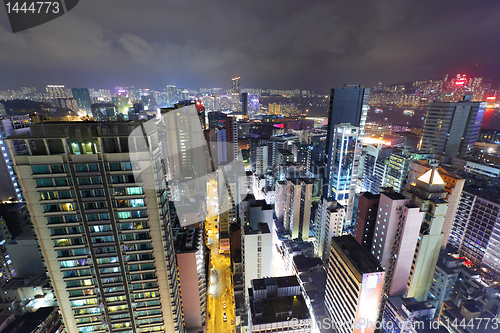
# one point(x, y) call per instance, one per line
point(220, 306)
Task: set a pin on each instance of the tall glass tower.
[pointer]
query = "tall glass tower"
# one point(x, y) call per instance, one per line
point(346, 128)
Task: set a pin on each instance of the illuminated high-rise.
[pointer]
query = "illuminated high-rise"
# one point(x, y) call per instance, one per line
point(346, 128)
point(429, 193)
point(236, 85)
point(343, 167)
point(451, 129)
point(105, 235)
point(353, 286)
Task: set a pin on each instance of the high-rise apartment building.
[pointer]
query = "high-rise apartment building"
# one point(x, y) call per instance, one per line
point(343, 167)
point(192, 276)
point(236, 85)
point(261, 163)
point(353, 286)
point(57, 91)
point(82, 98)
point(375, 167)
point(475, 233)
point(395, 237)
point(428, 192)
point(399, 164)
point(452, 129)
point(256, 252)
point(366, 217)
point(232, 138)
point(329, 222)
point(105, 235)
point(298, 202)
point(454, 186)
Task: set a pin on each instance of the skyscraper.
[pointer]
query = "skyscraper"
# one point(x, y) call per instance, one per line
point(429, 194)
point(451, 129)
point(353, 286)
point(394, 239)
point(343, 167)
point(348, 105)
point(366, 216)
point(236, 85)
point(82, 98)
point(244, 103)
point(297, 214)
point(329, 222)
point(105, 235)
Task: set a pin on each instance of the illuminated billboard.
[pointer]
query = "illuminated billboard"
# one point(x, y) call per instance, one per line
point(369, 301)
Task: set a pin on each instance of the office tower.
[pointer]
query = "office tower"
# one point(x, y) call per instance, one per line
point(454, 186)
point(329, 221)
point(256, 252)
point(348, 105)
point(399, 164)
point(358, 301)
point(261, 163)
point(394, 239)
point(375, 167)
point(232, 138)
point(173, 95)
point(343, 166)
point(105, 235)
point(82, 98)
point(475, 231)
point(192, 275)
point(297, 212)
point(451, 129)
point(366, 217)
point(429, 194)
point(236, 85)
point(253, 105)
point(244, 103)
point(274, 108)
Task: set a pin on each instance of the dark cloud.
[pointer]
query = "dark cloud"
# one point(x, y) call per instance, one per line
point(281, 44)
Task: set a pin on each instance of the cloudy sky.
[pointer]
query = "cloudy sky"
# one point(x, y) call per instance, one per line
point(282, 44)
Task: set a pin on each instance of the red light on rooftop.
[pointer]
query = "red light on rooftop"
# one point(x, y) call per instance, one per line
point(459, 83)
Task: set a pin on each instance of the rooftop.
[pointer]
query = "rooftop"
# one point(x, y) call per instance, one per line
point(303, 263)
point(362, 260)
point(394, 195)
point(263, 228)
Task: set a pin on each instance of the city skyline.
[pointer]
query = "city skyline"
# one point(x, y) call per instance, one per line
point(283, 45)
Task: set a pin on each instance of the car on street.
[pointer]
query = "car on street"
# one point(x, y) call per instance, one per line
point(224, 304)
point(224, 318)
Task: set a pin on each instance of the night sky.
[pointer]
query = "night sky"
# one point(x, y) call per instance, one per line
point(281, 44)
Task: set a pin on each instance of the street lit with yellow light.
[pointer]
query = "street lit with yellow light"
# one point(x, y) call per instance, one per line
point(220, 307)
